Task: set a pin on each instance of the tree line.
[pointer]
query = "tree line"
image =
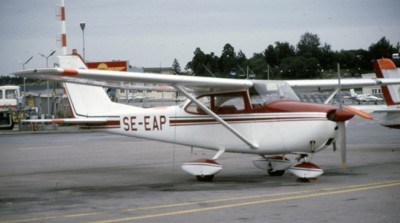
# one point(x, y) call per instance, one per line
point(13, 80)
point(309, 59)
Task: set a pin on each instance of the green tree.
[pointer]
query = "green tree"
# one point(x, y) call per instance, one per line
point(275, 55)
point(227, 61)
point(327, 57)
point(283, 50)
point(382, 48)
point(176, 67)
point(271, 56)
point(300, 67)
point(309, 45)
point(355, 62)
point(241, 58)
point(197, 63)
point(211, 62)
point(258, 65)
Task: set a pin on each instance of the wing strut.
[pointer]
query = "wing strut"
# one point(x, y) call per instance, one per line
point(216, 117)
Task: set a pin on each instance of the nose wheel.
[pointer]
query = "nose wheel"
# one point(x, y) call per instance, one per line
point(306, 170)
point(274, 165)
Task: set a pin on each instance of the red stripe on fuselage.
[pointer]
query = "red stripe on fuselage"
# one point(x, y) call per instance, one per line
point(209, 121)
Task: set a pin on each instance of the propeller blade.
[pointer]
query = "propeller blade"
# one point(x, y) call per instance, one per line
point(342, 124)
point(342, 138)
point(360, 113)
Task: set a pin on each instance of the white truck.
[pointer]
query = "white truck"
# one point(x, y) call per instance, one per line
point(11, 104)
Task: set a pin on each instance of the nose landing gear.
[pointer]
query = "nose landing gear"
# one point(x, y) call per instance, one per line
point(306, 171)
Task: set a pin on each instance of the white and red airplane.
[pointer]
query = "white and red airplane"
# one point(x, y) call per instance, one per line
point(264, 118)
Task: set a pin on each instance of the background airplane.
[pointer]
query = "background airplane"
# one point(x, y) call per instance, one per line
point(364, 97)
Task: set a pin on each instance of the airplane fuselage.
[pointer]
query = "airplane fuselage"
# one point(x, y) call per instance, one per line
point(307, 131)
point(391, 120)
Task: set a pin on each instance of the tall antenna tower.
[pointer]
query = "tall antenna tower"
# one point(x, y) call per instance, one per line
point(63, 38)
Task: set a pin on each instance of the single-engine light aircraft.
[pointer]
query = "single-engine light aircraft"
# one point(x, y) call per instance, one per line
point(364, 97)
point(264, 118)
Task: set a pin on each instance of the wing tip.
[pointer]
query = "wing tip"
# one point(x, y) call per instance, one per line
point(70, 71)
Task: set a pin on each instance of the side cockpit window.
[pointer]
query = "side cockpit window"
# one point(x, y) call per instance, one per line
point(229, 103)
point(194, 109)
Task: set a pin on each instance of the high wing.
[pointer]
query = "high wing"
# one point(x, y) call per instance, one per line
point(133, 80)
point(92, 106)
point(125, 79)
point(345, 83)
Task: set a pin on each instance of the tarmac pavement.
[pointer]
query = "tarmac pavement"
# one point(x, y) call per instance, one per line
point(78, 176)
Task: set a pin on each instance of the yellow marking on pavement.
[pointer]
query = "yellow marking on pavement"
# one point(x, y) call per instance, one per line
point(343, 189)
point(244, 204)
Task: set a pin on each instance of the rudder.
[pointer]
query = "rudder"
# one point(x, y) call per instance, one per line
point(385, 68)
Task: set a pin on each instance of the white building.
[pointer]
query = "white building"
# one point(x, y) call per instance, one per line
point(371, 89)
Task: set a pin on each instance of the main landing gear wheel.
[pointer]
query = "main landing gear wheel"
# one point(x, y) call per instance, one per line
point(276, 173)
point(207, 178)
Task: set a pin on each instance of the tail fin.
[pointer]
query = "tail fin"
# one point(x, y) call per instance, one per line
point(89, 101)
point(385, 68)
point(353, 94)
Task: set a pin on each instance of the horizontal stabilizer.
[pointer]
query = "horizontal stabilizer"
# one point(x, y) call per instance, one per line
point(71, 120)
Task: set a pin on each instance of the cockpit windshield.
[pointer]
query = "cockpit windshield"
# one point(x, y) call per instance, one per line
point(264, 92)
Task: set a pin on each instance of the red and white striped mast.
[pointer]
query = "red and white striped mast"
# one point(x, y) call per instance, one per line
point(63, 29)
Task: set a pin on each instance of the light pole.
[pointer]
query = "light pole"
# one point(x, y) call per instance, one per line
point(47, 57)
point(47, 65)
point(83, 24)
point(23, 68)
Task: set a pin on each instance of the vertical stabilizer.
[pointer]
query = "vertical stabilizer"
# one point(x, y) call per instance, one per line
point(89, 101)
point(385, 68)
point(353, 94)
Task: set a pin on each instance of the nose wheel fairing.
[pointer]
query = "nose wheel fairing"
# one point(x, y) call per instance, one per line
point(306, 170)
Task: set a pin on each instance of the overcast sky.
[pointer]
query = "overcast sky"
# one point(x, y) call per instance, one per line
point(151, 33)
